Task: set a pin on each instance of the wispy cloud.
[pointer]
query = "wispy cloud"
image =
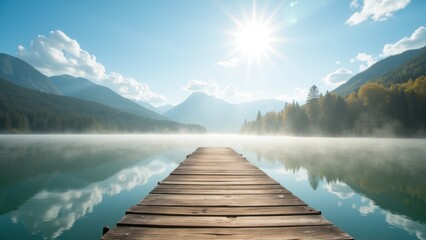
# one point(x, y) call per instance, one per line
point(228, 93)
point(338, 77)
point(59, 54)
point(378, 10)
point(229, 62)
point(416, 40)
point(366, 59)
point(354, 4)
point(208, 87)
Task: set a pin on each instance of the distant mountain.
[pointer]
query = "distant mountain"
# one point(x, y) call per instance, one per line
point(218, 115)
point(160, 110)
point(85, 89)
point(164, 108)
point(146, 105)
point(381, 69)
point(25, 110)
point(23, 74)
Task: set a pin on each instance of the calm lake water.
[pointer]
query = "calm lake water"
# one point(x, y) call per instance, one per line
point(70, 186)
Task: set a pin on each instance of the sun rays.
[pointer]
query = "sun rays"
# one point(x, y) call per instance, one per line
point(255, 36)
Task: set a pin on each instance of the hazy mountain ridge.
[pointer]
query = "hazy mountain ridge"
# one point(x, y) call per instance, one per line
point(23, 74)
point(382, 71)
point(25, 110)
point(164, 108)
point(219, 115)
point(84, 89)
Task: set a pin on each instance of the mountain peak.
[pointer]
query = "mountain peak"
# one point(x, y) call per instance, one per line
point(23, 74)
point(85, 89)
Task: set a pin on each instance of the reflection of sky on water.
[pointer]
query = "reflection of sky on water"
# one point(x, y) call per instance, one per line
point(371, 188)
point(50, 213)
point(405, 223)
point(340, 189)
point(366, 207)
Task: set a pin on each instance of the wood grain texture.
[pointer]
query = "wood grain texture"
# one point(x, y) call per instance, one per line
point(222, 211)
point(219, 221)
point(217, 194)
point(267, 233)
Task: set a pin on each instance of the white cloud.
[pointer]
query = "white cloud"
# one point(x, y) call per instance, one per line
point(378, 10)
point(301, 175)
point(130, 88)
point(337, 77)
point(337, 62)
point(354, 4)
point(208, 87)
point(366, 59)
point(293, 3)
point(229, 63)
point(59, 54)
point(367, 209)
point(400, 221)
point(340, 189)
point(50, 213)
point(298, 95)
point(416, 40)
point(229, 93)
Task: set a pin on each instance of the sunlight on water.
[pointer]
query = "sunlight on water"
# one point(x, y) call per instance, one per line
point(63, 186)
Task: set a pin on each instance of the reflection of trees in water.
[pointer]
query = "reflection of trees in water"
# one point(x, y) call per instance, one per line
point(31, 165)
point(390, 172)
point(314, 179)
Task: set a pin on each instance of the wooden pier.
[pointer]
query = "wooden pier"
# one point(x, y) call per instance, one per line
point(217, 194)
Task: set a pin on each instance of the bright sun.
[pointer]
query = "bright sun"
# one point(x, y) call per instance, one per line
point(255, 36)
point(254, 39)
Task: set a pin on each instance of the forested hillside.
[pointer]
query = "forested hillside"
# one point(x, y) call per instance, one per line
point(25, 110)
point(413, 69)
point(399, 109)
point(394, 69)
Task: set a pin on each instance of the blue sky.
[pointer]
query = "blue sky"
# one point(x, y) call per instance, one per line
point(160, 51)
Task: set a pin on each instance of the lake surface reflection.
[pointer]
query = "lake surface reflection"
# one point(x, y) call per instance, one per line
point(70, 186)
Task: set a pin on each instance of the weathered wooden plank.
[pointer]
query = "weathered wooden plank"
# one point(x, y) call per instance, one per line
point(225, 222)
point(219, 187)
point(222, 200)
point(216, 173)
point(220, 178)
point(266, 233)
point(214, 165)
point(215, 170)
point(208, 191)
point(264, 182)
point(217, 194)
point(223, 211)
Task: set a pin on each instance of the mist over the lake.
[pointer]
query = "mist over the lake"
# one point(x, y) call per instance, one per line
point(51, 183)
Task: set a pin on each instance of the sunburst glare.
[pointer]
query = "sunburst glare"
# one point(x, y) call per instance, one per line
point(256, 36)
